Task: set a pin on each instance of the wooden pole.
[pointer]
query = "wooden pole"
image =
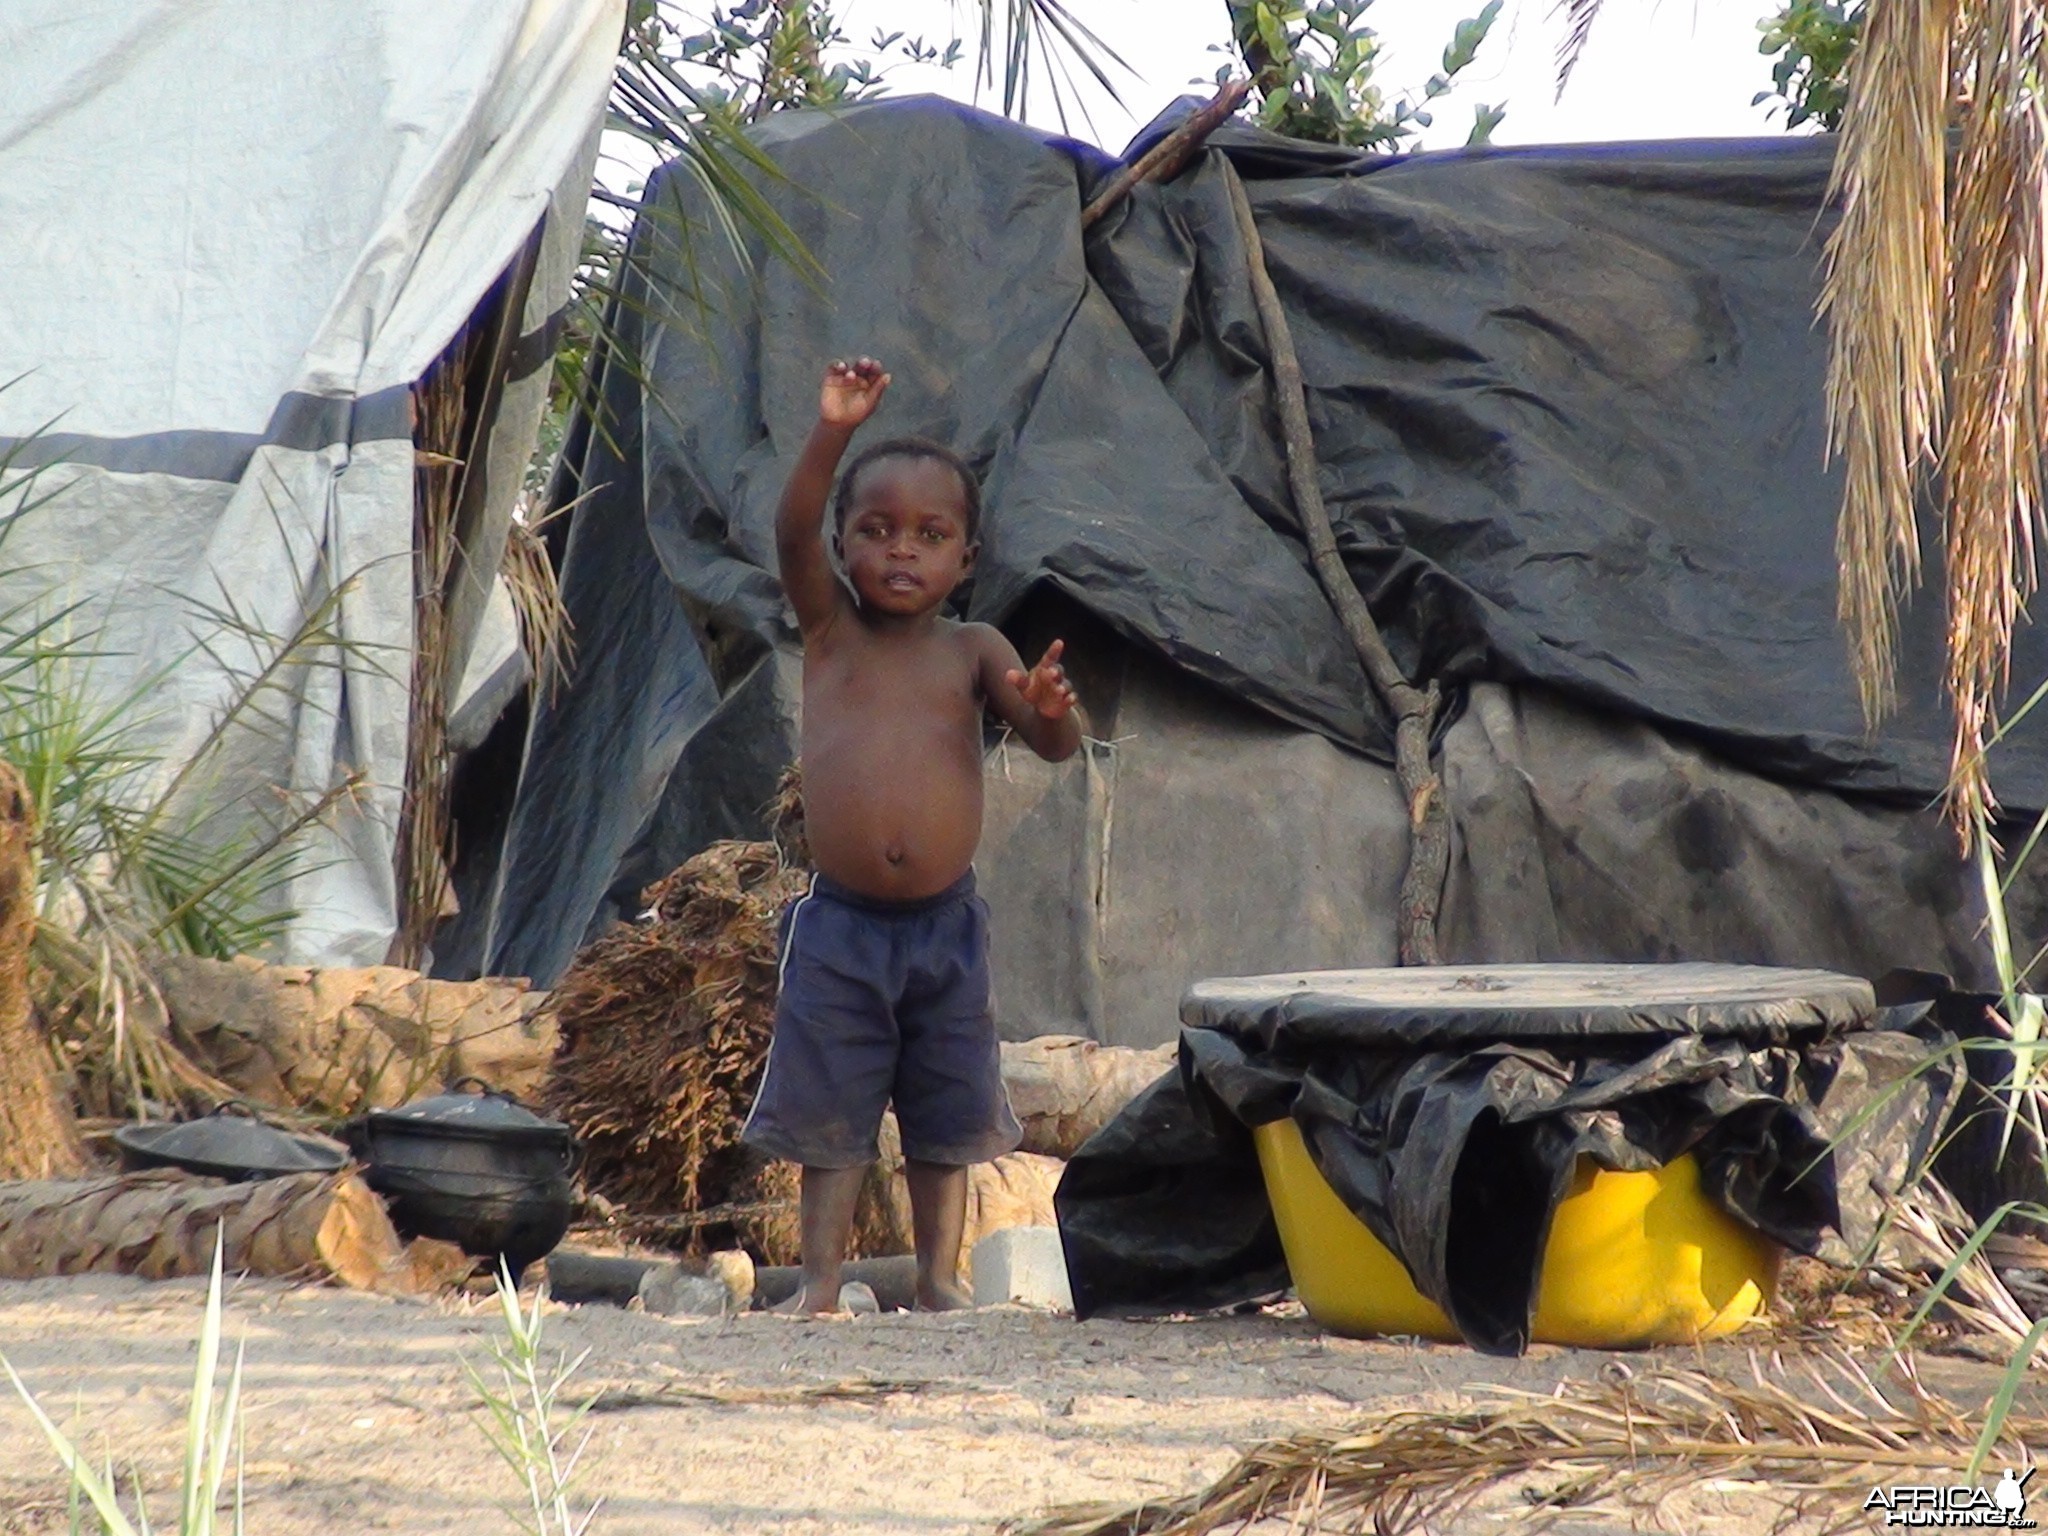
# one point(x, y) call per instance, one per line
point(1164, 160)
point(1414, 709)
point(38, 1131)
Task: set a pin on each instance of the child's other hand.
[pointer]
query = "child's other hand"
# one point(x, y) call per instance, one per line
point(852, 391)
point(1045, 686)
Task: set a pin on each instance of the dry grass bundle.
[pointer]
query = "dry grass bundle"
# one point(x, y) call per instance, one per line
point(440, 425)
point(104, 1012)
point(664, 1031)
point(786, 819)
point(1619, 1442)
point(546, 634)
point(1942, 1292)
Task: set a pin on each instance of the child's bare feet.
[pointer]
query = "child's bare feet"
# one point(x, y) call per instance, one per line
point(938, 1296)
point(801, 1304)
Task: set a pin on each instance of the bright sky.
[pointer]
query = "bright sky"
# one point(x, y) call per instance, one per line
point(1655, 69)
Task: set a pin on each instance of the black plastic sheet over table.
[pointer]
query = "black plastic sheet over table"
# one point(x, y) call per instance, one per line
point(1438, 1006)
point(1455, 1155)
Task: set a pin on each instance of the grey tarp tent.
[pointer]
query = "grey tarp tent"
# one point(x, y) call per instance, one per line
point(235, 236)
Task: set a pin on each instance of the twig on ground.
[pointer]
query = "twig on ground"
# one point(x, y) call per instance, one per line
point(678, 1394)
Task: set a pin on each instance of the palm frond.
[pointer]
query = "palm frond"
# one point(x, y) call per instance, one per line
point(1579, 18)
point(1040, 39)
point(1887, 276)
point(1992, 459)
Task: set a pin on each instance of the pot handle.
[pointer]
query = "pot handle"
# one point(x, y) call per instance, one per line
point(485, 1090)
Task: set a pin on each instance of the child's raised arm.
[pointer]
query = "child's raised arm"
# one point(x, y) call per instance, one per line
point(851, 393)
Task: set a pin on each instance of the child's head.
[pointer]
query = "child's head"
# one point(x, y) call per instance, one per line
point(907, 518)
point(913, 450)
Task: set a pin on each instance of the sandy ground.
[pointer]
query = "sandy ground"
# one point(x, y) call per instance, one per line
point(360, 1418)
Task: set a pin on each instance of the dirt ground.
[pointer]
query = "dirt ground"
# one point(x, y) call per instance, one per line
point(359, 1417)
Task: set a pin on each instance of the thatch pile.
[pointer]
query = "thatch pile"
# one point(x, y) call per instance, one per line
point(664, 1031)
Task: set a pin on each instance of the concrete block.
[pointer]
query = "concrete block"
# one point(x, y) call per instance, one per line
point(1024, 1264)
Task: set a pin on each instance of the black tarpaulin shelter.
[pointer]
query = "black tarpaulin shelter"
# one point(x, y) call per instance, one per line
point(1568, 415)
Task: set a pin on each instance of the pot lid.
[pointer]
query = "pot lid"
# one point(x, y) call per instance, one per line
point(489, 1114)
point(233, 1141)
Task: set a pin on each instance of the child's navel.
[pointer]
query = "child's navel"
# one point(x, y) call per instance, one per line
point(893, 853)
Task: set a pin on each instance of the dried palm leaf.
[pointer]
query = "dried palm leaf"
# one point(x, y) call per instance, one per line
point(664, 1034)
point(1887, 274)
point(440, 422)
point(1998, 377)
point(1579, 18)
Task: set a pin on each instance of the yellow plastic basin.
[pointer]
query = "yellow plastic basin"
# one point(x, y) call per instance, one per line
point(1633, 1258)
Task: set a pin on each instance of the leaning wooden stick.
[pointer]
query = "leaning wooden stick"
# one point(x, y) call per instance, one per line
point(1414, 709)
point(1164, 159)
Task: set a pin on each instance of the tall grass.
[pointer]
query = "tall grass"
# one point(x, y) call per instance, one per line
point(528, 1422)
point(213, 1432)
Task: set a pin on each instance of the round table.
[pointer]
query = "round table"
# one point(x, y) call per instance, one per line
point(1448, 1005)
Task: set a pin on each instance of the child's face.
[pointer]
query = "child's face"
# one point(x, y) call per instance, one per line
point(904, 543)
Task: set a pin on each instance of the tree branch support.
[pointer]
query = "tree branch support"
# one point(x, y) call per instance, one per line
point(1414, 710)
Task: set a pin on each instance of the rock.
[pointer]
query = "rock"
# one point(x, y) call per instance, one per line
point(669, 1290)
point(1012, 1191)
point(337, 1042)
point(1022, 1264)
point(1065, 1088)
point(858, 1299)
point(732, 1268)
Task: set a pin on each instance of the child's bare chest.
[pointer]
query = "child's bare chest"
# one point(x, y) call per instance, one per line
point(887, 684)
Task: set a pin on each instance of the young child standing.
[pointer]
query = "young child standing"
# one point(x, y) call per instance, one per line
point(885, 982)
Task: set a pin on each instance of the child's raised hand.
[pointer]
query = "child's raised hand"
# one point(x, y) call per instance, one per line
point(852, 391)
point(1045, 686)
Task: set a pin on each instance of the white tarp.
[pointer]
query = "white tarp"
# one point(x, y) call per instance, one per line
point(232, 234)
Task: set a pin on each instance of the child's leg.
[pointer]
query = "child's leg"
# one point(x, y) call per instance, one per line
point(938, 1218)
point(830, 1196)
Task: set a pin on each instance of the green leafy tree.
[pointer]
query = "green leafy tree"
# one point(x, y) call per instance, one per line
point(1812, 41)
point(1313, 70)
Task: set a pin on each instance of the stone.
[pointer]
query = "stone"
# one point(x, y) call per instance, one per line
point(669, 1290)
point(858, 1298)
point(1022, 1264)
point(732, 1268)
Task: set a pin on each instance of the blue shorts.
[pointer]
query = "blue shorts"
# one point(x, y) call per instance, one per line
point(883, 1002)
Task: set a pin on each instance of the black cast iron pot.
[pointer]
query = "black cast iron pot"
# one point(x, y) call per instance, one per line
point(477, 1169)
